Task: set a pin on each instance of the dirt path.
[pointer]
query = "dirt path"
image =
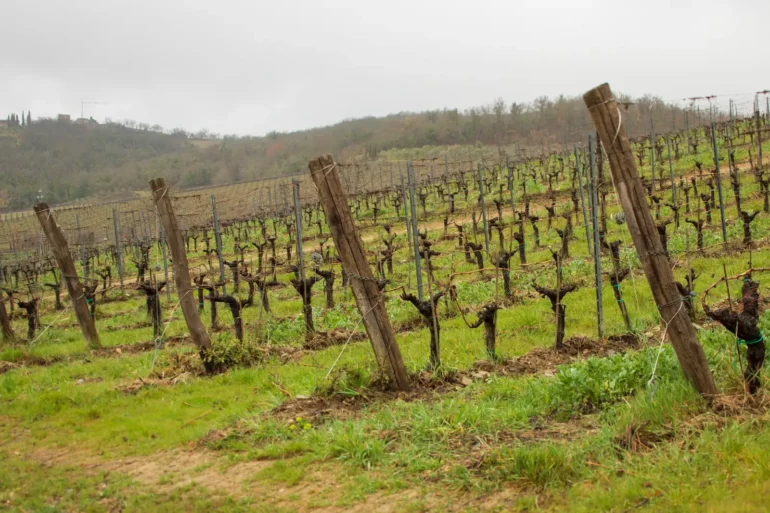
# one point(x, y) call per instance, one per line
point(170, 472)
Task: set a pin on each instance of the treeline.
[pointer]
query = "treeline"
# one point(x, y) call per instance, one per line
point(70, 161)
point(14, 121)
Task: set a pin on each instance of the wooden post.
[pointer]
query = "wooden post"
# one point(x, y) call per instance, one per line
point(5, 326)
point(181, 270)
point(63, 257)
point(608, 121)
point(365, 289)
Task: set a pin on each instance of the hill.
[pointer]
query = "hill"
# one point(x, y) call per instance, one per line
point(69, 161)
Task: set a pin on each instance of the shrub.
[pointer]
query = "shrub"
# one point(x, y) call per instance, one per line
point(227, 352)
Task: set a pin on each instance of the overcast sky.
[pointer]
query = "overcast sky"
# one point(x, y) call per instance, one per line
point(251, 66)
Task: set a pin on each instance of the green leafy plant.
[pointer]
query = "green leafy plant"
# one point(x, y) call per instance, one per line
point(227, 352)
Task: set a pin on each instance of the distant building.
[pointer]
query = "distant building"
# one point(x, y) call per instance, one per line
point(64, 117)
point(84, 121)
point(4, 123)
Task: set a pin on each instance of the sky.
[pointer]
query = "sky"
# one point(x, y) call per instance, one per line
point(249, 67)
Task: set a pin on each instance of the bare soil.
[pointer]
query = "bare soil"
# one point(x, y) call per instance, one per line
point(139, 347)
point(174, 471)
point(319, 408)
point(335, 337)
point(545, 361)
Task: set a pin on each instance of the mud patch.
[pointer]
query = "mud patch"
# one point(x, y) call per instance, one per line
point(30, 360)
point(8, 366)
point(410, 325)
point(472, 449)
point(727, 410)
point(85, 381)
point(335, 337)
point(179, 470)
point(323, 407)
point(341, 406)
point(140, 347)
point(165, 471)
point(120, 298)
point(140, 384)
point(135, 326)
point(546, 361)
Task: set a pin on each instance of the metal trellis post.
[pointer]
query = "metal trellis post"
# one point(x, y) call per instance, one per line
point(597, 250)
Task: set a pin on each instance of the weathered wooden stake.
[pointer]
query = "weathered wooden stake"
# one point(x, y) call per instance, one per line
point(608, 121)
point(9, 336)
point(365, 288)
point(63, 257)
point(181, 270)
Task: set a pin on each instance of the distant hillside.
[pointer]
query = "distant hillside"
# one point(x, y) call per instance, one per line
point(70, 161)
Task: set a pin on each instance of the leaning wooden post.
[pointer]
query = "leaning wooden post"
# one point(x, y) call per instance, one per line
point(63, 257)
point(181, 270)
point(369, 299)
point(609, 124)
